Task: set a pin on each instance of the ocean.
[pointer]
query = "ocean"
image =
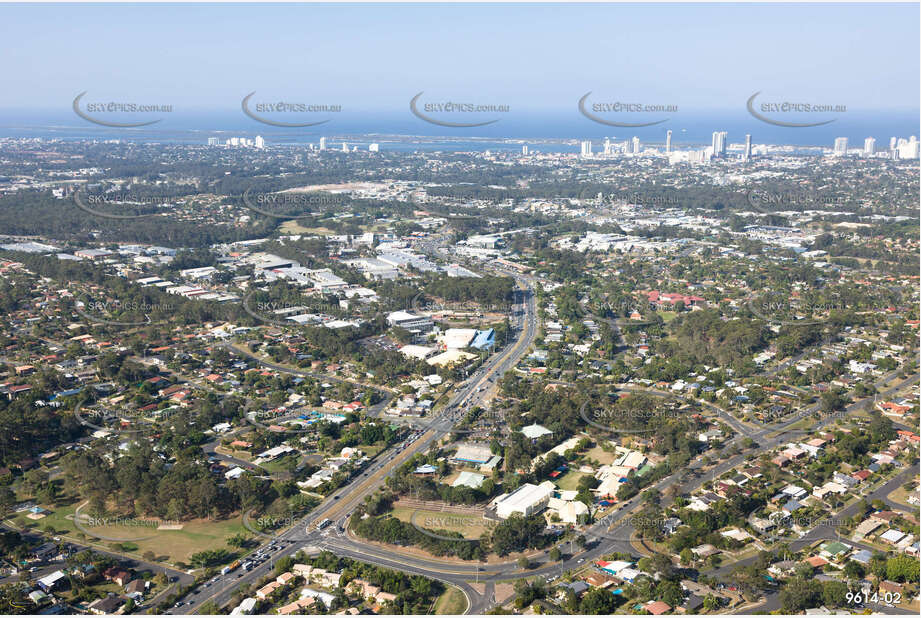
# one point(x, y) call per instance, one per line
point(556, 131)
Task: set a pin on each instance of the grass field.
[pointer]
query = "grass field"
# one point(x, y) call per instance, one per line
point(570, 480)
point(471, 526)
point(598, 454)
point(168, 546)
point(901, 496)
point(292, 227)
point(452, 601)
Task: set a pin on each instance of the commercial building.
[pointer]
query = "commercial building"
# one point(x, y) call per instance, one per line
point(526, 500)
point(473, 453)
point(410, 321)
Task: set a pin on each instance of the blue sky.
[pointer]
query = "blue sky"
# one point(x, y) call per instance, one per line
point(530, 56)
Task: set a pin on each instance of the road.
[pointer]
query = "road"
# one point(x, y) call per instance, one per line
point(611, 535)
point(340, 504)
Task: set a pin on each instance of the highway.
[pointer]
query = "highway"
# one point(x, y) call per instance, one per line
point(612, 535)
point(340, 504)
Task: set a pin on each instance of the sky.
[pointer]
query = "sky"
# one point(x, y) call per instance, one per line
point(206, 57)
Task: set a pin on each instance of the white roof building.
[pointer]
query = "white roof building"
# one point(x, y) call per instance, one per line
point(469, 479)
point(457, 338)
point(535, 431)
point(526, 500)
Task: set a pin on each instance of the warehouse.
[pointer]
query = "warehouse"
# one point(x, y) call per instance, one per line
point(526, 500)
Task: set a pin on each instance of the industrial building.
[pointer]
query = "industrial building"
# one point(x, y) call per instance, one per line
point(526, 500)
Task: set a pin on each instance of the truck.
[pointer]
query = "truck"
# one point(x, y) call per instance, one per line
point(230, 567)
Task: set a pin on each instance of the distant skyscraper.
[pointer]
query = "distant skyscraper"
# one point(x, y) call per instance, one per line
point(636, 144)
point(840, 145)
point(892, 143)
point(586, 149)
point(668, 141)
point(524, 149)
point(607, 146)
point(259, 142)
point(345, 147)
point(908, 149)
point(869, 146)
point(213, 141)
point(322, 143)
point(719, 143)
point(748, 147)
point(374, 147)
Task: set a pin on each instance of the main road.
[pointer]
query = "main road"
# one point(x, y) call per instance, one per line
point(339, 505)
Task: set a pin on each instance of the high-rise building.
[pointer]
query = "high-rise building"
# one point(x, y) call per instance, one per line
point(668, 141)
point(374, 147)
point(213, 141)
point(719, 143)
point(636, 144)
point(524, 149)
point(908, 149)
point(893, 142)
point(626, 147)
point(747, 154)
point(345, 147)
point(586, 149)
point(869, 146)
point(607, 146)
point(259, 142)
point(840, 146)
point(322, 143)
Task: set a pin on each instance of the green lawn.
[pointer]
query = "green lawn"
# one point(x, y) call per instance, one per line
point(168, 546)
point(570, 480)
point(471, 526)
point(452, 601)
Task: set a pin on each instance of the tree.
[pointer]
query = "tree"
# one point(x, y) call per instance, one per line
point(799, 593)
point(598, 601)
point(556, 554)
point(902, 568)
point(523, 563)
point(834, 593)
